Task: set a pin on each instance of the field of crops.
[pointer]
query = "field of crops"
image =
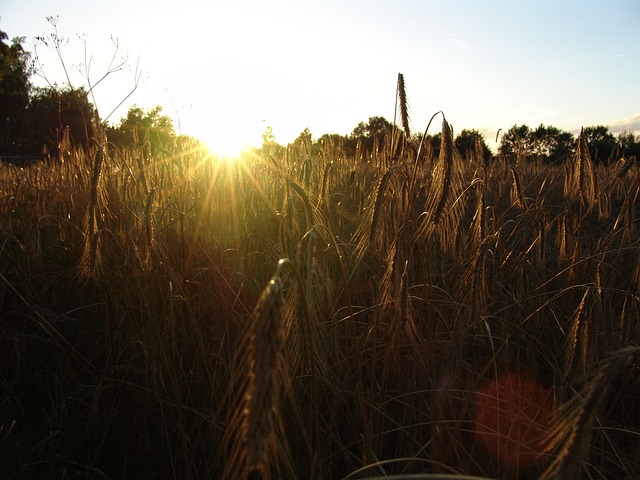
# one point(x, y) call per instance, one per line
point(316, 315)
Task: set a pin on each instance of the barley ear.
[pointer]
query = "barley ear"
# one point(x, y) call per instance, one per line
point(367, 232)
point(442, 178)
point(404, 108)
point(581, 183)
point(516, 191)
point(261, 398)
point(569, 459)
point(148, 225)
point(90, 259)
point(443, 208)
point(577, 340)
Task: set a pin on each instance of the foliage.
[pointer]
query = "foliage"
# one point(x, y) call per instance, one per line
point(46, 119)
point(14, 93)
point(551, 144)
point(471, 142)
point(375, 135)
point(142, 128)
point(547, 143)
point(601, 143)
point(375, 127)
point(58, 115)
point(305, 136)
point(515, 141)
point(628, 144)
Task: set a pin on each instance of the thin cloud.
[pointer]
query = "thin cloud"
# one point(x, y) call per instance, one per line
point(621, 55)
point(460, 44)
point(534, 112)
point(626, 125)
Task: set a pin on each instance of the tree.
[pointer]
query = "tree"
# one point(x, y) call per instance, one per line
point(628, 144)
point(432, 144)
point(551, 144)
point(375, 127)
point(305, 136)
point(515, 141)
point(377, 133)
point(142, 128)
point(601, 143)
point(15, 88)
point(269, 145)
point(304, 143)
point(471, 142)
point(59, 113)
point(268, 136)
point(545, 142)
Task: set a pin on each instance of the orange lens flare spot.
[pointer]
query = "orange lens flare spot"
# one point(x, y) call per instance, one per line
point(513, 419)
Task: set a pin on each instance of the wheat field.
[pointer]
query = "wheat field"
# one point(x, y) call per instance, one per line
point(400, 313)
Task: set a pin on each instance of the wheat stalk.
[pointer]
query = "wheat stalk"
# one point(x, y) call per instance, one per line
point(442, 207)
point(443, 184)
point(148, 225)
point(404, 108)
point(265, 353)
point(254, 423)
point(516, 191)
point(90, 259)
point(581, 182)
point(578, 333)
point(367, 231)
point(568, 461)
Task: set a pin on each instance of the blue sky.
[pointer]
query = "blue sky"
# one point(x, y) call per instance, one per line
point(226, 70)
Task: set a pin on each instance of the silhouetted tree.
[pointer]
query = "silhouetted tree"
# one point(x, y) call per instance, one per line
point(55, 113)
point(601, 143)
point(374, 127)
point(377, 131)
point(545, 142)
point(432, 144)
point(15, 88)
point(628, 144)
point(515, 141)
point(471, 142)
point(551, 144)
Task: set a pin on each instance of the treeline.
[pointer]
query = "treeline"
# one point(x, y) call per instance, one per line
point(546, 143)
point(42, 120)
point(34, 120)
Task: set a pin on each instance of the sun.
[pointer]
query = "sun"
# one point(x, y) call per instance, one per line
point(226, 135)
point(227, 148)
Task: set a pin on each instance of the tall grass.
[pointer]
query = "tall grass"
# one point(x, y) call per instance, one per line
point(412, 285)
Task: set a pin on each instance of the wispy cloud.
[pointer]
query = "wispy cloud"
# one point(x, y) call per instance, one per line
point(534, 112)
point(621, 55)
point(586, 60)
point(626, 124)
point(460, 44)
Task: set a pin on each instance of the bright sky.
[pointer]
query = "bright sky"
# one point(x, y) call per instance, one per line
point(225, 70)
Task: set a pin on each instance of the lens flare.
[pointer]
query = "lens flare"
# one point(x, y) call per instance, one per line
point(513, 419)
